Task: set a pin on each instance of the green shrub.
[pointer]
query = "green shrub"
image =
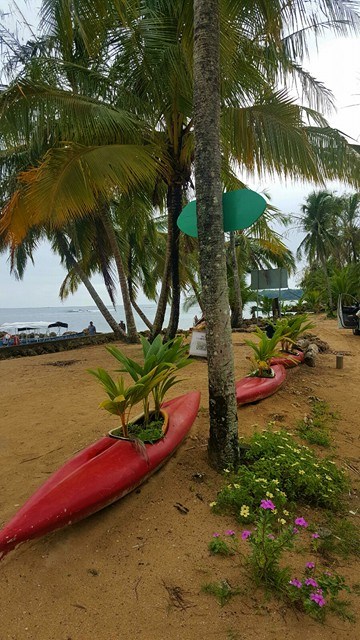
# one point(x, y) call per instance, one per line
point(302, 475)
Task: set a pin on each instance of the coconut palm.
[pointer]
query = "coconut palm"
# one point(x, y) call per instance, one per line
point(320, 209)
point(151, 47)
point(269, 131)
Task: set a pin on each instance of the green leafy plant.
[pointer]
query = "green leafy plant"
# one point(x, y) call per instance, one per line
point(242, 494)
point(264, 350)
point(165, 358)
point(301, 474)
point(276, 465)
point(221, 590)
point(122, 398)
point(291, 328)
point(314, 591)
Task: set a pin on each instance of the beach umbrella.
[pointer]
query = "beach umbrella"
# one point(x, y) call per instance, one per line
point(58, 324)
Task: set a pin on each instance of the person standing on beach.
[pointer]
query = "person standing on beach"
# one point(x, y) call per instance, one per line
point(91, 328)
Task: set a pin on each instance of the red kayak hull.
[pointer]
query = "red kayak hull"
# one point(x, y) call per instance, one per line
point(96, 477)
point(253, 389)
point(289, 360)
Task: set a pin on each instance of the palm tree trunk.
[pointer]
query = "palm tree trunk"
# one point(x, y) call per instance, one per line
point(328, 285)
point(129, 316)
point(163, 298)
point(223, 446)
point(175, 206)
point(95, 296)
point(138, 310)
point(237, 309)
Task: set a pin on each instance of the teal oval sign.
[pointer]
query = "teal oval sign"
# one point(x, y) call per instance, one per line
point(241, 209)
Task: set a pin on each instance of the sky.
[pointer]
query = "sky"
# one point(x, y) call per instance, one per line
point(336, 64)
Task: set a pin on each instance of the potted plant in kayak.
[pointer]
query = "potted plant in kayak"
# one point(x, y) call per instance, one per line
point(110, 468)
point(264, 380)
point(291, 328)
point(264, 350)
point(152, 380)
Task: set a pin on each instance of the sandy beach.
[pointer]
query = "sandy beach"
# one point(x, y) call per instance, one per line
point(135, 570)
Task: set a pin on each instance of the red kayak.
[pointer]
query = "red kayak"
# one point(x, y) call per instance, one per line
point(252, 389)
point(289, 360)
point(96, 477)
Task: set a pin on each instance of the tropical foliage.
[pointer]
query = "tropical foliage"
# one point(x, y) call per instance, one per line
point(331, 246)
point(104, 106)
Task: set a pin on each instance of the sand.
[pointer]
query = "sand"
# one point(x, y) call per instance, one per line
point(135, 570)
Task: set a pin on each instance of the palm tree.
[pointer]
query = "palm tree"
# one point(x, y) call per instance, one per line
point(223, 444)
point(350, 227)
point(320, 209)
point(142, 61)
point(151, 44)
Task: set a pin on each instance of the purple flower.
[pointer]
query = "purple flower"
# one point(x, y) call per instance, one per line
point(216, 535)
point(246, 534)
point(267, 504)
point(301, 522)
point(271, 536)
point(296, 583)
point(327, 573)
point(295, 530)
point(229, 532)
point(318, 598)
point(310, 565)
point(315, 535)
point(310, 582)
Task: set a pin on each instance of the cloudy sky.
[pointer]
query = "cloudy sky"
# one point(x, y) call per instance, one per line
point(336, 64)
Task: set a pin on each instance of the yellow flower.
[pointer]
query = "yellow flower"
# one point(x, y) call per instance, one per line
point(328, 478)
point(212, 504)
point(244, 511)
point(301, 472)
point(286, 513)
point(269, 495)
point(282, 521)
point(236, 486)
point(226, 470)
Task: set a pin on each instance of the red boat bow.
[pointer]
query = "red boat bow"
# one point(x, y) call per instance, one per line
point(96, 477)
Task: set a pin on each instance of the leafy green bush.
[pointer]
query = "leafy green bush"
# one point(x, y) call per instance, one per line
point(281, 469)
point(301, 474)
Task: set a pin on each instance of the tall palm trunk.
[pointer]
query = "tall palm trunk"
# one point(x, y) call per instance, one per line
point(175, 206)
point(164, 291)
point(138, 309)
point(95, 296)
point(223, 444)
point(328, 285)
point(237, 308)
point(129, 316)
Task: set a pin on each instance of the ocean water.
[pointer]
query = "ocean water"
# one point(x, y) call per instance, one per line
point(78, 318)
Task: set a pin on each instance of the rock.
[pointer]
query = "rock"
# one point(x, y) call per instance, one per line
point(310, 355)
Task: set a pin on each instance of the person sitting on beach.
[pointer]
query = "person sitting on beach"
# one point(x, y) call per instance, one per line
point(91, 328)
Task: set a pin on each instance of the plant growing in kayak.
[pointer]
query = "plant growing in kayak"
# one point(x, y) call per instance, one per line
point(291, 328)
point(122, 398)
point(165, 358)
point(264, 350)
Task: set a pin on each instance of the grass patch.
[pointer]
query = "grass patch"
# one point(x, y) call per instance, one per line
point(222, 591)
point(342, 539)
point(315, 427)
